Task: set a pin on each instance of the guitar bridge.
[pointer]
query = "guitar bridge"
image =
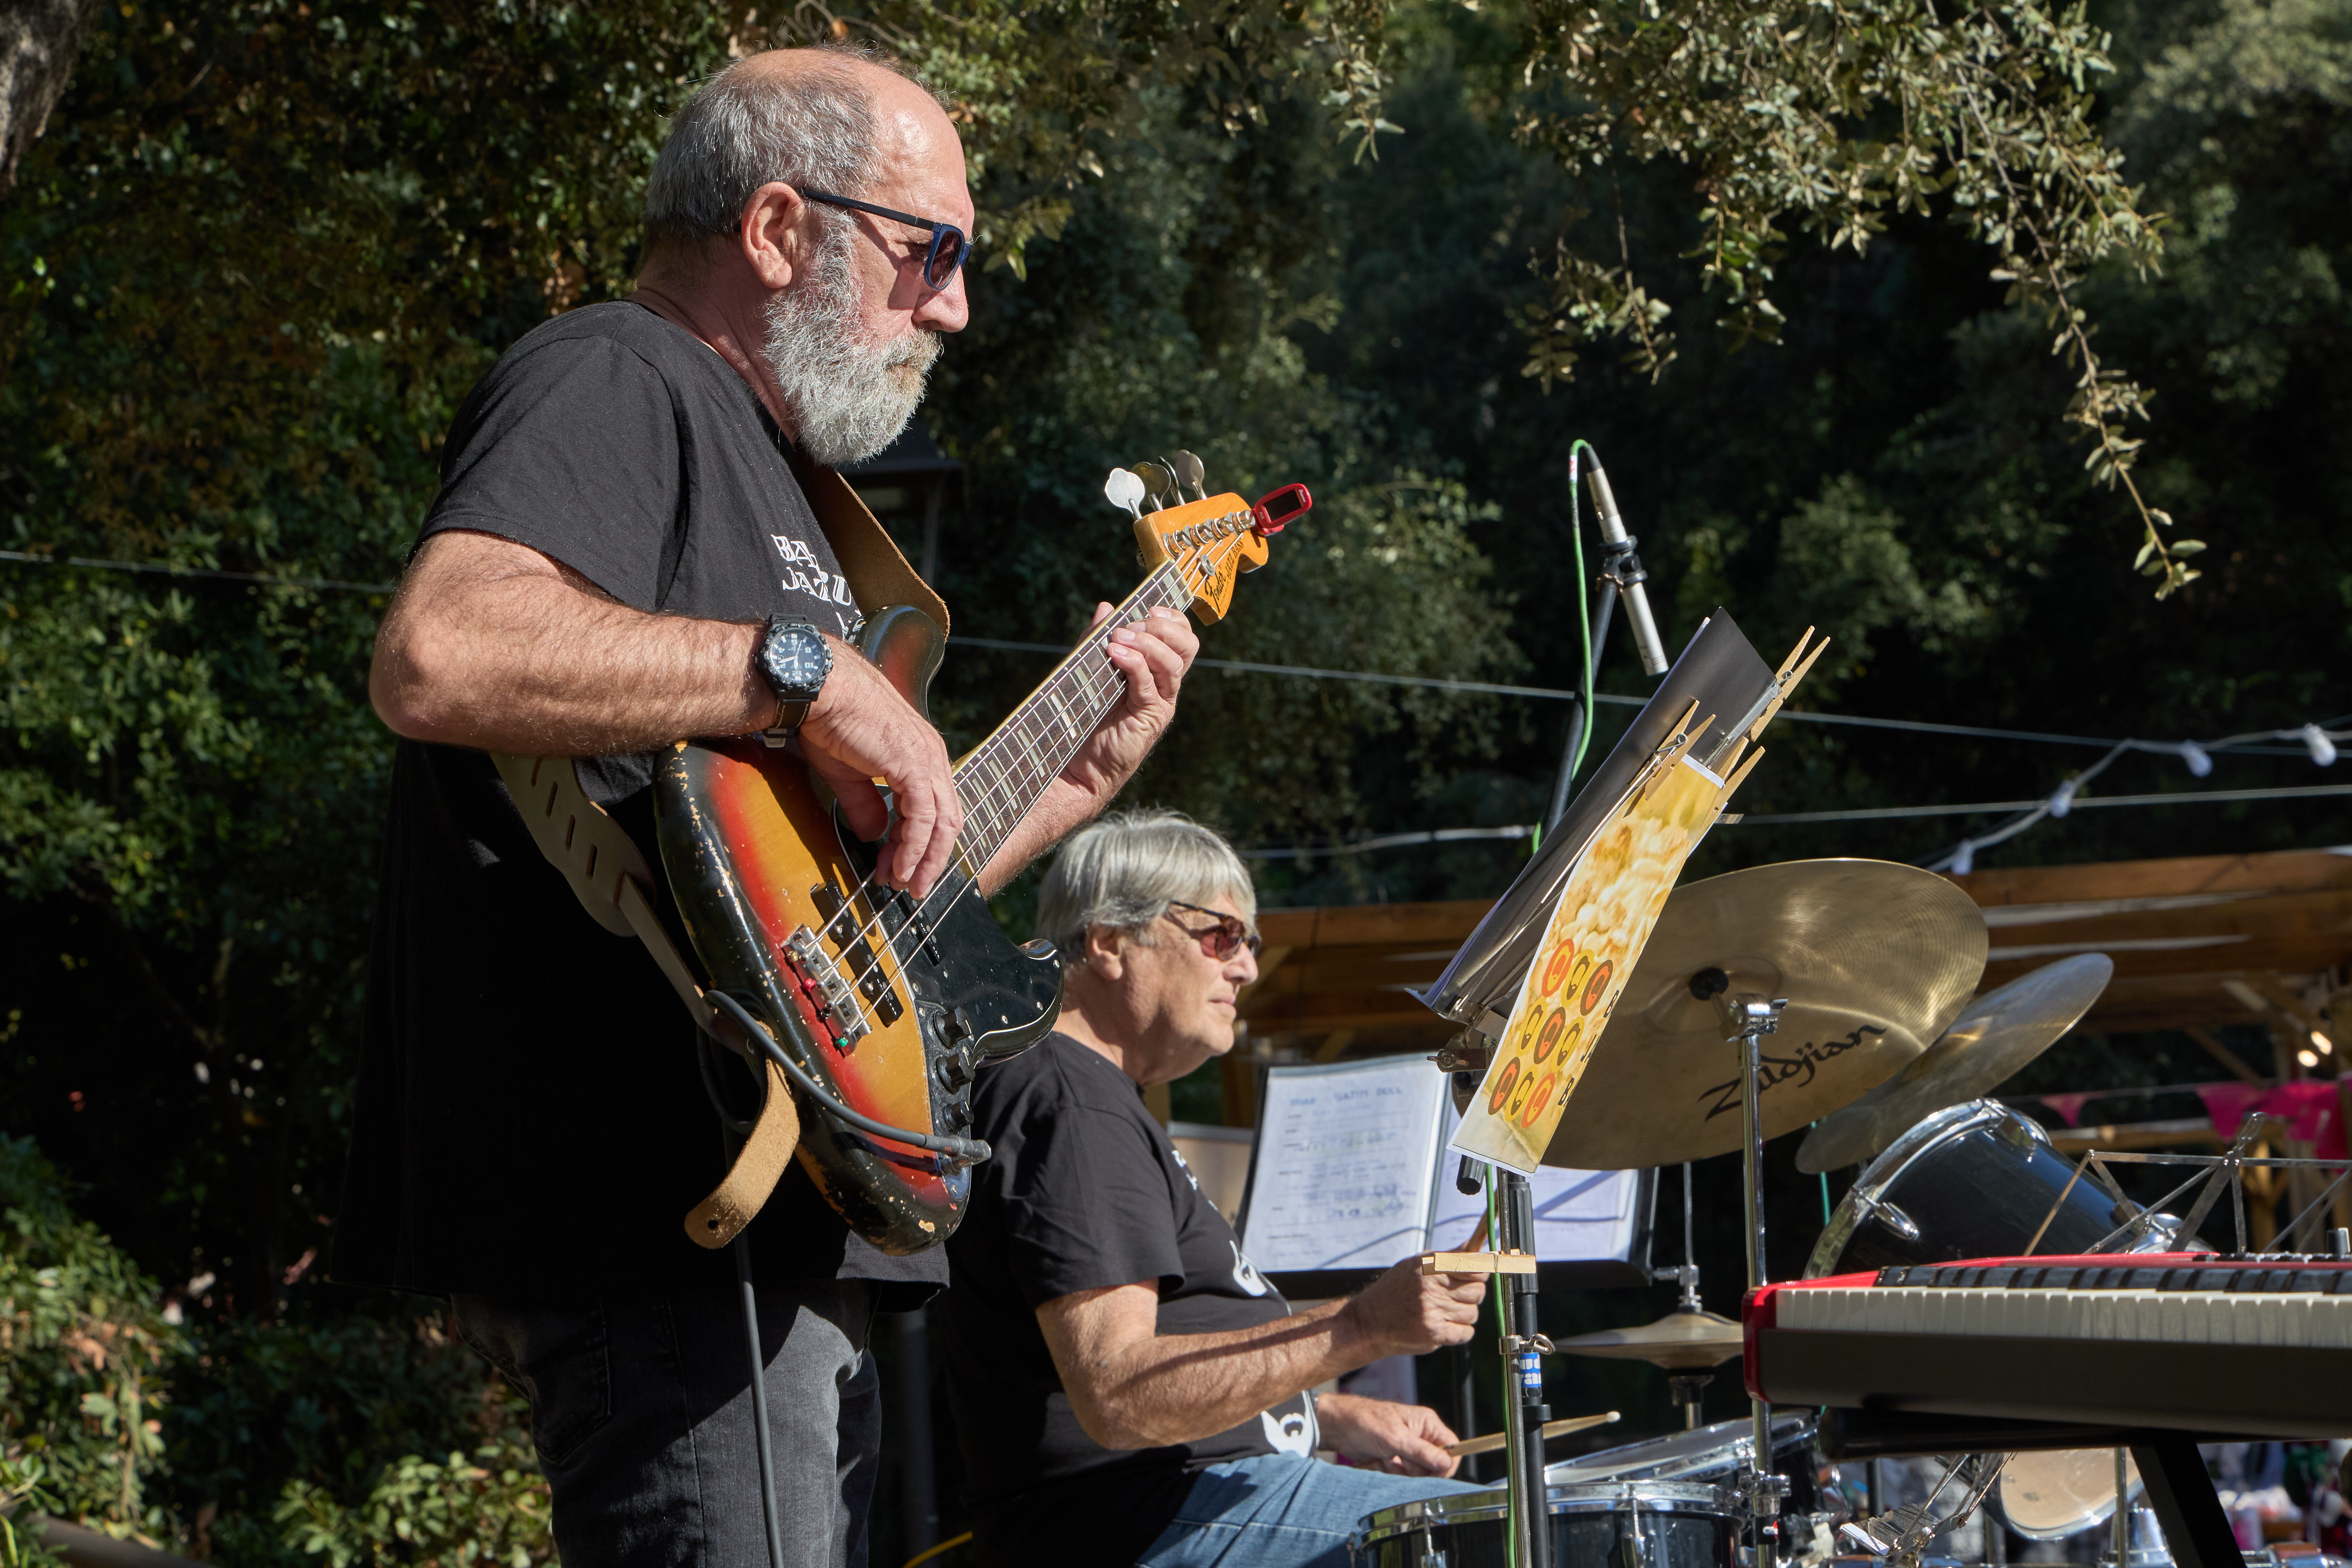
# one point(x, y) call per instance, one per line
point(828, 987)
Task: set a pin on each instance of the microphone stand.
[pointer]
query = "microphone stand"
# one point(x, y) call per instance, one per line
point(1620, 576)
point(1524, 1348)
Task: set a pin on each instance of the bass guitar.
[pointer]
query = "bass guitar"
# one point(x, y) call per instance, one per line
point(881, 1006)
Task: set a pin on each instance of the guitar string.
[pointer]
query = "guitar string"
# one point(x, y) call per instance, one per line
point(1100, 683)
point(1097, 683)
point(1076, 665)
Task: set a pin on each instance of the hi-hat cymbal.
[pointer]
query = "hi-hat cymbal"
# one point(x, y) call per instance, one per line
point(1678, 1341)
point(1997, 1033)
point(1874, 958)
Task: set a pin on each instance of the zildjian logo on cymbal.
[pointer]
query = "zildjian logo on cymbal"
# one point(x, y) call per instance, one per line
point(1781, 1069)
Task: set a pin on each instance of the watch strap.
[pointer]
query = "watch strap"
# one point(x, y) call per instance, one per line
point(790, 717)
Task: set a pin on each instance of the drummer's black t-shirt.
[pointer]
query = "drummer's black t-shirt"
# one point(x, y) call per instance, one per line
point(532, 1119)
point(1084, 1192)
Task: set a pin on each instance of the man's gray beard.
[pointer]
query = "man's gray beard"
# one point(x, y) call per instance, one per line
point(847, 398)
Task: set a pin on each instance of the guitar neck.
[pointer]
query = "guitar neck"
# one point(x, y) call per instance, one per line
point(1001, 779)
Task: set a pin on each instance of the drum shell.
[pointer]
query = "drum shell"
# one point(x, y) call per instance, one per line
point(1606, 1524)
point(1973, 1181)
point(1674, 1493)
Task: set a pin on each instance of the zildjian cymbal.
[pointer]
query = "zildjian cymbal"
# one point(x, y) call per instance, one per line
point(1875, 958)
point(1999, 1032)
point(1679, 1341)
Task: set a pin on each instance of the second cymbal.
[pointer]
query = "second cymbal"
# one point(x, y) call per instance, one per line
point(1682, 1341)
point(1997, 1033)
point(1875, 958)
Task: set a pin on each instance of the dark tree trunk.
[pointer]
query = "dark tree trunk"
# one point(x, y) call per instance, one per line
point(39, 41)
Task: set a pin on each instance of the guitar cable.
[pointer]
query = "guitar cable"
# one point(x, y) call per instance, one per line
point(968, 1151)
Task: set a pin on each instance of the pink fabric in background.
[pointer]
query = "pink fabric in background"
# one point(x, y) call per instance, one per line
point(2069, 1107)
point(2309, 1107)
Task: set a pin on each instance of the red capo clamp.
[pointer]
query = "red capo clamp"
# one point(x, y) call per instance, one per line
point(1267, 525)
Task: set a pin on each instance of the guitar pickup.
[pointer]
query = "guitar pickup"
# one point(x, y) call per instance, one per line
point(840, 928)
point(828, 987)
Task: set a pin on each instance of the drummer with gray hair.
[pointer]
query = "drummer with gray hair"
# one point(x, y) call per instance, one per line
point(1127, 1388)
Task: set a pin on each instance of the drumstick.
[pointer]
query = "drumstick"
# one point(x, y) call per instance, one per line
point(1493, 1440)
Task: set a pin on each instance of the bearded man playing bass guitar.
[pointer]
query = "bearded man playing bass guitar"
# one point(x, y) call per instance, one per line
point(623, 553)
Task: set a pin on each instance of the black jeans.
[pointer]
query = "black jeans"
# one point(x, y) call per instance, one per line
point(641, 1411)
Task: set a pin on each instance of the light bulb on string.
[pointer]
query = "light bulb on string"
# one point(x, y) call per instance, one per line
point(1964, 858)
point(2321, 1043)
point(2199, 764)
point(2322, 749)
point(2306, 1058)
point(2061, 799)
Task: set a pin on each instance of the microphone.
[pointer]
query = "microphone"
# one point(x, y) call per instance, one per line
point(1625, 569)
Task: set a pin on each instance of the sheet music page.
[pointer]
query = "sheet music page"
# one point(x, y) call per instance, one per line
point(1347, 1156)
point(1581, 1217)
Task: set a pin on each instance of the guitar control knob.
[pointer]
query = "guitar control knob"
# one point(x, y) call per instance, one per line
point(954, 1070)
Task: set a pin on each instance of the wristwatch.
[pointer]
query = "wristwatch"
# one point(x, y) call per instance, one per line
point(795, 659)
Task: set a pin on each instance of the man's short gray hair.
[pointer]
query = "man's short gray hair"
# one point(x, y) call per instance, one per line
point(750, 125)
point(1126, 869)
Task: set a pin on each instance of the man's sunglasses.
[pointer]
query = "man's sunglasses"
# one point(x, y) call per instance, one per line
point(948, 246)
point(1218, 941)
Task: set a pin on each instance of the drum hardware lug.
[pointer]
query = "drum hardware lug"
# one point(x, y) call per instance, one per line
point(1895, 1220)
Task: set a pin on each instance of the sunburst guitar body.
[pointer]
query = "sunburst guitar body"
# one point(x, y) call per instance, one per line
point(893, 1005)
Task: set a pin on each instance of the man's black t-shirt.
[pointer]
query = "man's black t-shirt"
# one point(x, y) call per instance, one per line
point(531, 1119)
point(1084, 1192)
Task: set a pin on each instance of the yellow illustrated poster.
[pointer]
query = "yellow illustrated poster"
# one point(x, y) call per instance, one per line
point(1606, 913)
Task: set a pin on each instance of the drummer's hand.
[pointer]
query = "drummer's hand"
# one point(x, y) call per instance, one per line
point(1407, 1312)
point(1403, 1439)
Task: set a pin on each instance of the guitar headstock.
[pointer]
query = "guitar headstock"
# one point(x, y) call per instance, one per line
point(1213, 539)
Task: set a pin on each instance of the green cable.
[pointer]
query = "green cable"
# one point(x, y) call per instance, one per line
point(1503, 1329)
point(1583, 617)
point(1583, 601)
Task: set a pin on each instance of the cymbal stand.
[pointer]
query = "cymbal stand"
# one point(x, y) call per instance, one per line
point(1687, 1388)
point(1751, 1017)
point(1524, 1410)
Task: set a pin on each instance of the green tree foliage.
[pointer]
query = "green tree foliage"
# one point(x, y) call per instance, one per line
point(240, 1438)
point(85, 1352)
point(1827, 119)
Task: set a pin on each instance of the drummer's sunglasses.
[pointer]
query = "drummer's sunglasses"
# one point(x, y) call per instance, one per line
point(948, 246)
point(1218, 941)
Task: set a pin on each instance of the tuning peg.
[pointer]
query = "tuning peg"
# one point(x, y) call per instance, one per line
point(1189, 471)
point(1124, 488)
point(1160, 479)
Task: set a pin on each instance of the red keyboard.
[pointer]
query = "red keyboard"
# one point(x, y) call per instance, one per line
point(2255, 1346)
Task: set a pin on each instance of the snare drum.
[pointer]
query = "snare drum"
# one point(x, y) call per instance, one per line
point(1596, 1525)
point(1668, 1502)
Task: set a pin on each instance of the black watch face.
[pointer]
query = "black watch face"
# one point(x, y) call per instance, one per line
point(797, 662)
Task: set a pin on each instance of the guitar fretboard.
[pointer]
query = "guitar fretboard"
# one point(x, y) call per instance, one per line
point(1000, 780)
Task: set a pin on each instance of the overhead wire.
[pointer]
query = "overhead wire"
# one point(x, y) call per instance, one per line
point(2317, 739)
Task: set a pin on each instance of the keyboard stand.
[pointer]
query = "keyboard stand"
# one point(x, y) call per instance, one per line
point(2181, 1493)
point(2179, 1490)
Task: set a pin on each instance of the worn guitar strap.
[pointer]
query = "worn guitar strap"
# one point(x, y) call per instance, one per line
point(609, 874)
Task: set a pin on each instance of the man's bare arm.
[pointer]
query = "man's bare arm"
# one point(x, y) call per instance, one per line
point(491, 644)
point(1131, 1386)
